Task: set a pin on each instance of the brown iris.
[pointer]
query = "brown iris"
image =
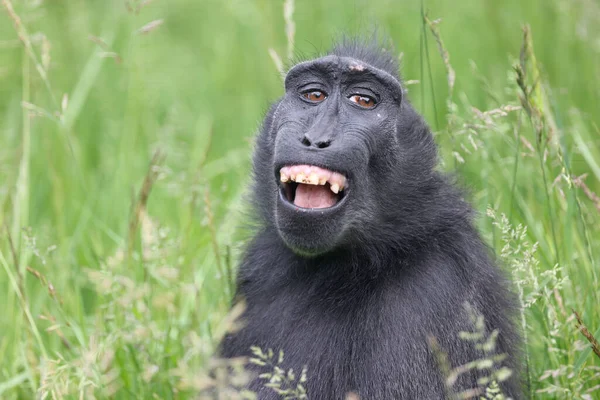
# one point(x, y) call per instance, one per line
point(315, 96)
point(363, 101)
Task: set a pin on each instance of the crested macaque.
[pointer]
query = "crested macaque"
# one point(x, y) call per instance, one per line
point(363, 249)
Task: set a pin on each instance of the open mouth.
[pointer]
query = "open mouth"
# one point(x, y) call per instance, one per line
point(309, 186)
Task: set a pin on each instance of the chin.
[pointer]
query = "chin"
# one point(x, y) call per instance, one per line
point(311, 208)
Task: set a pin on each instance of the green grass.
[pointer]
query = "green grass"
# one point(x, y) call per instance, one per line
point(116, 287)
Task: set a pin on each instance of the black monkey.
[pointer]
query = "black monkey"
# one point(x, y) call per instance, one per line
point(363, 248)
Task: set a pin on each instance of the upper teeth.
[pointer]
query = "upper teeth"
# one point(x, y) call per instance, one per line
point(312, 175)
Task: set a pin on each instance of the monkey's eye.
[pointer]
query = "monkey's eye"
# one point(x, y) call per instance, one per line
point(314, 96)
point(363, 101)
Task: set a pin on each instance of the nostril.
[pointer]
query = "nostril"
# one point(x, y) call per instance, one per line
point(324, 144)
point(305, 141)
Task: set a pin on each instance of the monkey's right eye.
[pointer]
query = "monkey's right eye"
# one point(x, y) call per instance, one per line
point(314, 96)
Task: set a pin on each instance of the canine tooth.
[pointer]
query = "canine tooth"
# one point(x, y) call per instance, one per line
point(284, 177)
point(300, 177)
point(313, 179)
point(335, 188)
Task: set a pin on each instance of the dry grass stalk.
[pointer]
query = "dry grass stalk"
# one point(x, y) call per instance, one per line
point(45, 282)
point(13, 250)
point(533, 98)
point(588, 335)
point(27, 42)
point(290, 32)
point(579, 182)
point(19, 275)
point(135, 6)
point(277, 61)
point(213, 232)
point(290, 27)
point(560, 302)
point(150, 26)
point(199, 179)
point(142, 198)
point(108, 52)
point(55, 328)
point(433, 26)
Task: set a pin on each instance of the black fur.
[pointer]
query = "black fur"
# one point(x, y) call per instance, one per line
point(353, 293)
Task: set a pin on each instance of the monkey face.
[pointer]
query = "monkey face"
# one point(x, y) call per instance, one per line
point(334, 135)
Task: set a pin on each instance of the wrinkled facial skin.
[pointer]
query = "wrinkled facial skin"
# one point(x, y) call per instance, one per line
point(337, 133)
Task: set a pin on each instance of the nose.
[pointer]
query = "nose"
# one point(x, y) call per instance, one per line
point(319, 143)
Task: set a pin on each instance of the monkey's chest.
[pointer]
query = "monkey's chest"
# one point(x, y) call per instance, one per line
point(361, 346)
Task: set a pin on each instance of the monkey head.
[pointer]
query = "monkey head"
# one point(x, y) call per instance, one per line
point(344, 151)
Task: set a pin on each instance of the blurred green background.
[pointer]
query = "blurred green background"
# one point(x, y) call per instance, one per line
point(109, 288)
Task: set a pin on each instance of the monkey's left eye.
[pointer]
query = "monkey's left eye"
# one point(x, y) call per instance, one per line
point(314, 96)
point(363, 101)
